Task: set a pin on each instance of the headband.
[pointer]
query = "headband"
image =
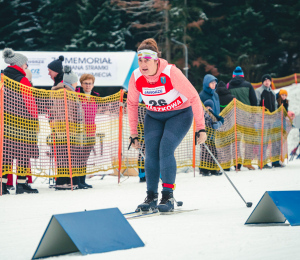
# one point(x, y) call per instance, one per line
point(147, 54)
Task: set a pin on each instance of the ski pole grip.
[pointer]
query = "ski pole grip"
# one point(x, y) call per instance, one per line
point(132, 141)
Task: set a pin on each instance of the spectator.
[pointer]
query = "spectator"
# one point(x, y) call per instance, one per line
point(205, 157)
point(281, 98)
point(26, 146)
point(242, 89)
point(209, 92)
point(90, 107)
point(224, 95)
point(58, 139)
point(265, 95)
point(55, 69)
point(267, 98)
point(244, 92)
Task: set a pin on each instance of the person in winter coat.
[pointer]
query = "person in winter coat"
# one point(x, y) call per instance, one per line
point(266, 97)
point(242, 89)
point(20, 139)
point(171, 102)
point(224, 95)
point(89, 108)
point(265, 94)
point(281, 98)
point(55, 70)
point(212, 126)
point(58, 140)
point(244, 92)
point(209, 92)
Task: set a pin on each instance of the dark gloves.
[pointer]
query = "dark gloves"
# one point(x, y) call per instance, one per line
point(219, 118)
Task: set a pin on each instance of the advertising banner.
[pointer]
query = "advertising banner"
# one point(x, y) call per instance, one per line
point(109, 68)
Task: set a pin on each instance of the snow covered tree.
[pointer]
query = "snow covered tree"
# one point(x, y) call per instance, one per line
point(60, 21)
point(148, 19)
point(9, 25)
point(29, 24)
point(101, 28)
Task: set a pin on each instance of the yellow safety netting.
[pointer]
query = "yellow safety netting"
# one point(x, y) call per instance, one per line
point(53, 133)
point(35, 140)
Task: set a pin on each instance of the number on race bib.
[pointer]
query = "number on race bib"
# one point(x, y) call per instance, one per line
point(161, 102)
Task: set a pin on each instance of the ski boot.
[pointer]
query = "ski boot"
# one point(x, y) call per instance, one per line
point(25, 188)
point(150, 202)
point(4, 189)
point(167, 202)
point(216, 173)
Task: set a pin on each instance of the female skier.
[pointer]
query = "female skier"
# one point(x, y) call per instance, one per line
point(171, 101)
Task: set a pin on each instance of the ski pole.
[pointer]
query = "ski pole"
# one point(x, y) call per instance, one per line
point(248, 204)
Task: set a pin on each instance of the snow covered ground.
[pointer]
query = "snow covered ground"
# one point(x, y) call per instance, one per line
point(215, 231)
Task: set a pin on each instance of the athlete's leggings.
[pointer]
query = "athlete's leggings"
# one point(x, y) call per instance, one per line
point(164, 131)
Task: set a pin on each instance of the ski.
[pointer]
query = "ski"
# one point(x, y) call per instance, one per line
point(177, 211)
point(140, 214)
point(132, 215)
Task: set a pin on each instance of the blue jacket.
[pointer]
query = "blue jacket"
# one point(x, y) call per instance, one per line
point(208, 93)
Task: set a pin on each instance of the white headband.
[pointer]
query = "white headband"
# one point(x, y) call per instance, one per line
point(147, 54)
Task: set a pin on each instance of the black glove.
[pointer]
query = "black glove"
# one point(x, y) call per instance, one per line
point(219, 118)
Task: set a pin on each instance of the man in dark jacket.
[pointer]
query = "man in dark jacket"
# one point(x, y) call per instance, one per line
point(21, 121)
point(55, 70)
point(244, 92)
point(224, 95)
point(242, 89)
point(266, 97)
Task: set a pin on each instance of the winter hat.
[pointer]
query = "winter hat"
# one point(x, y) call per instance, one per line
point(266, 76)
point(12, 58)
point(282, 92)
point(28, 74)
point(221, 84)
point(209, 103)
point(238, 72)
point(69, 76)
point(56, 65)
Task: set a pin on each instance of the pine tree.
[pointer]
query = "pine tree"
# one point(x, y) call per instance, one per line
point(28, 31)
point(100, 28)
point(59, 22)
point(9, 25)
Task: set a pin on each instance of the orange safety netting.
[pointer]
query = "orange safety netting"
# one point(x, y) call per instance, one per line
point(62, 133)
point(58, 133)
point(281, 82)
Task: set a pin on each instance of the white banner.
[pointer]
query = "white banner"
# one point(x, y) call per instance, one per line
point(109, 68)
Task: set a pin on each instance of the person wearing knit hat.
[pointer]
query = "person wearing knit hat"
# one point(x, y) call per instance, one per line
point(242, 89)
point(14, 59)
point(244, 92)
point(266, 98)
point(238, 72)
point(281, 98)
point(209, 104)
point(55, 69)
point(265, 95)
point(23, 106)
point(266, 77)
point(70, 80)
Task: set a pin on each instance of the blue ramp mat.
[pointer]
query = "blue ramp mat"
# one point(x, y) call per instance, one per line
point(88, 232)
point(275, 207)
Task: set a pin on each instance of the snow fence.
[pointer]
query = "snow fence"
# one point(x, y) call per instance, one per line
point(62, 133)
